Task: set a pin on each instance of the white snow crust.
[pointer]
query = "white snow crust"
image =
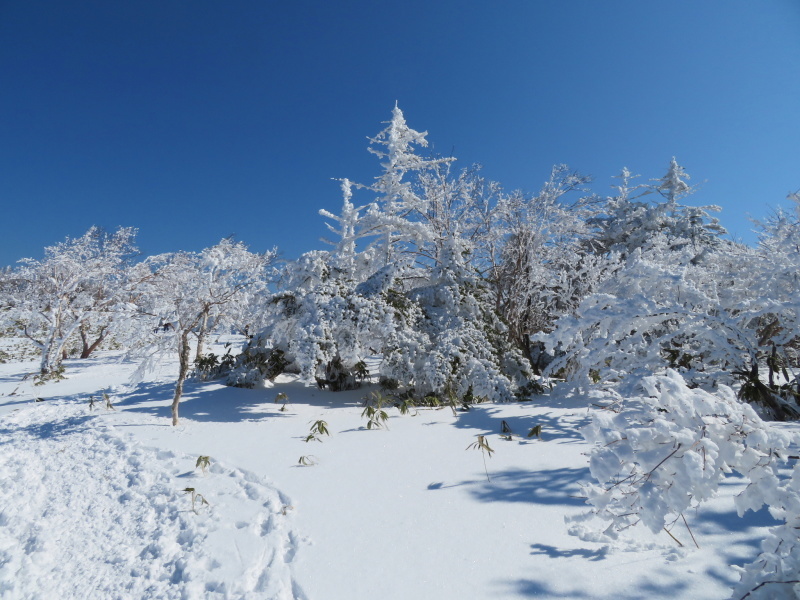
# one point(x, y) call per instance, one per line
point(91, 501)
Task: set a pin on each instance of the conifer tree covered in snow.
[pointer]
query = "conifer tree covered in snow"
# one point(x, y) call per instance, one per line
point(396, 195)
point(409, 294)
point(667, 302)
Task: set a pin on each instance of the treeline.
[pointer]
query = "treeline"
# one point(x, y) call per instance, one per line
point(464, 290)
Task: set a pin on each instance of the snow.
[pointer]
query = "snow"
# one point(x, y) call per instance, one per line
point(91, 502)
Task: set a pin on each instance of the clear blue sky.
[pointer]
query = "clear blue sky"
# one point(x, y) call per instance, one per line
point(194, 120)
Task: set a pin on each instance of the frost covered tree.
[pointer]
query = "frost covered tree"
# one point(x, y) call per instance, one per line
point(456, 346)
point(80, 287)
point(321, 324)
point(660, 449)
point(191, 292)
point(649, 315)
point(351, 226)
point(669, 301)
point(399, 283)
point(390, 215)
point(775, 277)
point(629, 221)
point(547, 264)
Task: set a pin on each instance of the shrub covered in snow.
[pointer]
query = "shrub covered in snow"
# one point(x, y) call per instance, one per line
point(656, 455)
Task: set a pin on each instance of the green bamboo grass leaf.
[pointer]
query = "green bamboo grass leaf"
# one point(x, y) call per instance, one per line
point(203, 463)
point(482, 445)
point(535, 432)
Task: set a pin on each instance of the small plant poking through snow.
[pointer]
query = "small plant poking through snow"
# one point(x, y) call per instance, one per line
point(318, 428)
point(197, 498)
point(483, 446)
point(307, 461)
point(283, 399)
point(373, 411)
point(535, 432)
point(406, 406)
point(361, 371)
point(203, 463)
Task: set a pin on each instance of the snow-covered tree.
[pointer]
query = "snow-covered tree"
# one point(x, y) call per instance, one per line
point(320, 317)
point(663, 448)
point(390, 214)
point(189, 292)
point(409, 294)
point(462, 206)
point(629, 221)
point(774, 279)
point(660, 449)
point(547, 263)
point(78, 288)
point(670, 301)
point(455, 344)
point(351, 226)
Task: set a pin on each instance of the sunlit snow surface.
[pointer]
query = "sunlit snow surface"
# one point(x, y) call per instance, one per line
point(91, 501)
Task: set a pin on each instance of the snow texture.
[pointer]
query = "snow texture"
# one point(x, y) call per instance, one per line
point(87, 513)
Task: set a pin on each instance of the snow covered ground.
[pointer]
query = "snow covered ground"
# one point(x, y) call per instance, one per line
point(92, 502)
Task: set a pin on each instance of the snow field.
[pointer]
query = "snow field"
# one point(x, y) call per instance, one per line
point(86, 513)
point(397, 514)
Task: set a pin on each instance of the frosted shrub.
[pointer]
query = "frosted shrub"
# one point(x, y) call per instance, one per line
point(456, 344)
point(656, 455)
point(666, 451)
point(775, 574)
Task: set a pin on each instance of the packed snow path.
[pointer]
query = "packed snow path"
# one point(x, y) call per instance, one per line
point(86, 513)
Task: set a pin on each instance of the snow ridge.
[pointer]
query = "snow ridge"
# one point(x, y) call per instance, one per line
point(87, 513)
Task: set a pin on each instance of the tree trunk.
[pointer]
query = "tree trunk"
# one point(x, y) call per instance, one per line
point(88, 347)
point(201, 335)
point(45, 364)
point(183, 371)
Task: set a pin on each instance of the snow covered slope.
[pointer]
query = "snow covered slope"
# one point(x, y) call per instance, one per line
point(92, 502)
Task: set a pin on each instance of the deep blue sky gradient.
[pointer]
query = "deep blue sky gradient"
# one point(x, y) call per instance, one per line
point(195, 120)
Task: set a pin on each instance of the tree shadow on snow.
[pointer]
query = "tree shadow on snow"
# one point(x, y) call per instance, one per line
point(749, 531)
point(538, 589)
point(584, 553)
point(644, 588)
point(202, 401)
point(49, 429)
point(543, 486)
point(489, 419)
point(212, 401)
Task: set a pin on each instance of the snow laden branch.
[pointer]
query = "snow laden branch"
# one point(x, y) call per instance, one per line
point(658, 455)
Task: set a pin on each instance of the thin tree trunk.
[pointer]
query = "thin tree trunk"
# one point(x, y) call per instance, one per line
point(201, 335)
point(183, 351)
point(89, 347)
point(45, 363)
point(87, 350)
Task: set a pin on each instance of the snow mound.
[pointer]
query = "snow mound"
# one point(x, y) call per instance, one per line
point(86, 513)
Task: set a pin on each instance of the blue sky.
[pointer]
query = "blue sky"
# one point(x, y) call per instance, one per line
point(197, 120)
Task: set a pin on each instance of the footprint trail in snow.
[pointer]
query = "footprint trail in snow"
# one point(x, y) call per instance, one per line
point(86, 513)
